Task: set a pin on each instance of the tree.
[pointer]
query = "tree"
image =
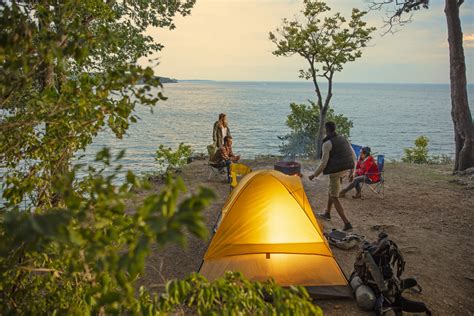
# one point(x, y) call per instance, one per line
point(460, 111)
point(68, 69)
point(68, 244)
point(326, 43)
point(304, 124)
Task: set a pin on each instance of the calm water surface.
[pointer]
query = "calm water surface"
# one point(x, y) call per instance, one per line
point(387, 117)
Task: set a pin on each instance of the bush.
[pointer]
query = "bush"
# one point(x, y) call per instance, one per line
point(234, 295)
point(173, 160)
point(419, 153)
point(304, 124)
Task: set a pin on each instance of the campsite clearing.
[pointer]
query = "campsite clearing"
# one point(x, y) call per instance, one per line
point(430, 218)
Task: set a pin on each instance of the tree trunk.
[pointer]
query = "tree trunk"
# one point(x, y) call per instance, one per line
point(460, 112)
point(319, 137)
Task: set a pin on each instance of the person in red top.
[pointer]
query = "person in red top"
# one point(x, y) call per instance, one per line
point(366, 172)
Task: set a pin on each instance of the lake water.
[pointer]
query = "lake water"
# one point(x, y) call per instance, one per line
point(386, 117)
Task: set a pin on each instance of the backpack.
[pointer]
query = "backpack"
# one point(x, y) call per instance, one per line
point(380, 266)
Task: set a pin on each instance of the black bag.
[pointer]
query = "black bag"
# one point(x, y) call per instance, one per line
point(342, 239)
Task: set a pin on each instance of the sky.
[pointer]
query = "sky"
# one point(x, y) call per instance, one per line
point(228, 40)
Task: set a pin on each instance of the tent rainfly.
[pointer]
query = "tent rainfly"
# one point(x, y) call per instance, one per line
point(268, 230)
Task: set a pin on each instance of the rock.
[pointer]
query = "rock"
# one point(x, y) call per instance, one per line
point(469, 171)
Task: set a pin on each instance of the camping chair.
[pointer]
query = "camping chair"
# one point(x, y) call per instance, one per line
point(357, 149)
point(213, 168)
point(237, 169)
point(377, 187)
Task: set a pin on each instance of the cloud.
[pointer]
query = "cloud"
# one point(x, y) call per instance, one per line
point(468, 40)
point(469, 37)
point(228, 40)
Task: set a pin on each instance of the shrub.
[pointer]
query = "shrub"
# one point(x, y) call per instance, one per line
point(419, 153)
point(173, 160)
point(304, 124)
point(234, 295)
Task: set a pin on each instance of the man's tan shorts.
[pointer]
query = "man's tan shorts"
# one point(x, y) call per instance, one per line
point(335, 180)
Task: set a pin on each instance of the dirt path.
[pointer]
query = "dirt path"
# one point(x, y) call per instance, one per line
point(430, 218)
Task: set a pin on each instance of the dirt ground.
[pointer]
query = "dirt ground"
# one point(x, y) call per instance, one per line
point(425, 212)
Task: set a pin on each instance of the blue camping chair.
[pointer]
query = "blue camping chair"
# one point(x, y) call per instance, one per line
point(377, 187)
point(357, 149)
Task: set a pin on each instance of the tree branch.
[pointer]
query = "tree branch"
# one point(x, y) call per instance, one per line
point(329, 94)
point(33, 269)
point(316, 85)
point(401, 7)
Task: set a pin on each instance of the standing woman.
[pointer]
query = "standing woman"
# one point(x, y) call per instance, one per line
point(221, 130)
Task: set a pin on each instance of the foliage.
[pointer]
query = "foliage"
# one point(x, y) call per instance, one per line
point(400, 8)
point(233, 294)
point(85, 255)
point(304, 124)
point(173, 160)
point(326, 43)
point(419, 153)
point(322, 40)
point(69, 69)
point(68, 244)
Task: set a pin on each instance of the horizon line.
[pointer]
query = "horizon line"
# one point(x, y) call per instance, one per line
point(302, 81)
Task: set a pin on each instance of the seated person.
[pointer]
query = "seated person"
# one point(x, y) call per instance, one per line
point(224, 155)
point(366, 172)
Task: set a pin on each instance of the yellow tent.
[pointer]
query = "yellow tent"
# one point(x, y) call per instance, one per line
point(268, 230)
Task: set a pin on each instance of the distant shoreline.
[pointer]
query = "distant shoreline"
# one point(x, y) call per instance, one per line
point(198, 80)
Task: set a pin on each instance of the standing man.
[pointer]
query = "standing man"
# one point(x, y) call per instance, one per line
point(338, 158)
